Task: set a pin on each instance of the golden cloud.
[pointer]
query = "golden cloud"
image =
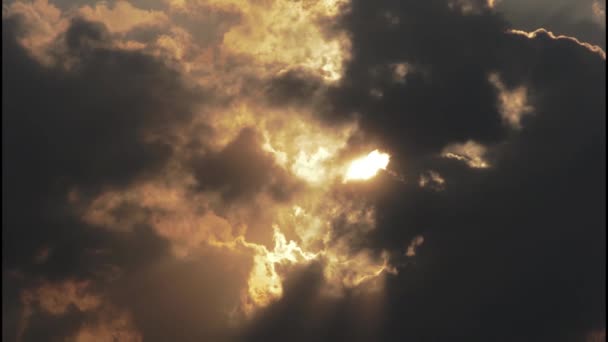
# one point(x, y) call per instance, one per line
point(122, 17)
point(286, 34)
point(301, 227)
point(44, 21)
point(274, 36)
point(56, 299)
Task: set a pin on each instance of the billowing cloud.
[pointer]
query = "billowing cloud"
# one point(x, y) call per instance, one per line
point(122, 16)
point(44, 23)
point(233, 170)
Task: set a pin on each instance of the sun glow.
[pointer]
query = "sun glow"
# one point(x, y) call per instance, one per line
point(367, 167)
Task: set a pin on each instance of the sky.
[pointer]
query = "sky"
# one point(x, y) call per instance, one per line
point(303, 170)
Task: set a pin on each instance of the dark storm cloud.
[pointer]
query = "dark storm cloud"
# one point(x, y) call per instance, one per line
point(569, 17)
point(83, 127)
point(450, 101)
point(93, 117)
point(304, 314)
point(513, 252)
point(300, 301)
point(224, 171)
point(443, 95)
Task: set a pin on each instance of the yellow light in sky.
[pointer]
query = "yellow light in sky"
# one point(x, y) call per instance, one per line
point(367, 167)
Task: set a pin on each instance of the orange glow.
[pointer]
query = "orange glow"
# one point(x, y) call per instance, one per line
point(533, 34)
point(302, 227)
point(265, 284)
point(308, 152)
point(292, 26)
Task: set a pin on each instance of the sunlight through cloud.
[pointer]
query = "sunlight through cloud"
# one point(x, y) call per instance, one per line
point(367, 167)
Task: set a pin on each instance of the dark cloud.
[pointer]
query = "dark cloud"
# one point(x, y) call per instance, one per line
point(301, 301)
point(443, 95)
point(100, 138)
point(43, 326)
point(513, 252)
point(294, 87)
point(569, 17)
point(224, 171)
point(71, 4)
point(305, 313)
point(84, 127)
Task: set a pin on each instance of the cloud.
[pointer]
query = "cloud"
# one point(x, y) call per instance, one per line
point(116, 325)
point(432, 180)
point(533, 34)
point(43, 22)
point(56, 298)
point(223, 171)
point(291, 25)
point(416, 242)
point(122, 17)
point(565, 17)
point(179, 176)
point(513, 103)
point(599, 12)
point(469, 152)
point(468, 7)
point(478, 203)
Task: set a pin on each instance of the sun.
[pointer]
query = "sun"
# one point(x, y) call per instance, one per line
point(367, 167)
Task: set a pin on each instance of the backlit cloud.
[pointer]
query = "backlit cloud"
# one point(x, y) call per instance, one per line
point(319, 170)
point(594, 48)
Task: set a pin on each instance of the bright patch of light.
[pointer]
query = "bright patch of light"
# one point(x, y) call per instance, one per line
point(367, 167)
point(265, 283)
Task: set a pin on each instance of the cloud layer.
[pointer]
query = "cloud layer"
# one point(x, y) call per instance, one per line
point(179, 171)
